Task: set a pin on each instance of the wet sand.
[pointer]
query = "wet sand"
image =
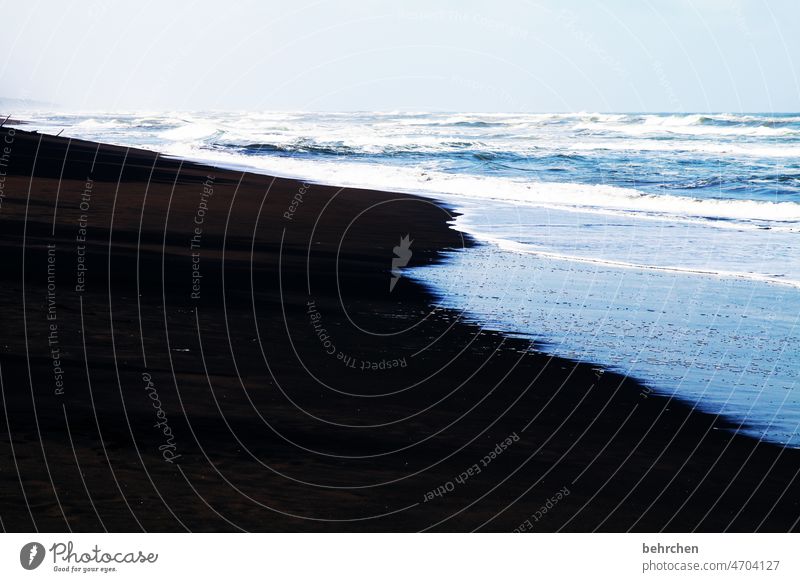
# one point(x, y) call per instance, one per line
point(194, 348)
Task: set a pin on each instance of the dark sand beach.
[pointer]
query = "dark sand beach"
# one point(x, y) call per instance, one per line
point(195, 348)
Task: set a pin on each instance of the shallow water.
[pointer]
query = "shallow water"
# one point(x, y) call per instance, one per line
point(727, 346)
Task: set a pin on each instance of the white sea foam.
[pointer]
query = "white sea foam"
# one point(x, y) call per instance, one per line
point(92, 123)
point(720, 272)
point(190, 132)
point(597, 198)
point(714, 148)
point(655, 126)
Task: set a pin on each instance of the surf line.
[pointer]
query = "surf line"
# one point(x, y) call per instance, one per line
point(513, 246)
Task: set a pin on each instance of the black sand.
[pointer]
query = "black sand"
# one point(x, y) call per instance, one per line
point(129, 404)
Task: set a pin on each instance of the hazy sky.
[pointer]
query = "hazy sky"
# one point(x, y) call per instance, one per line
point(469, 55)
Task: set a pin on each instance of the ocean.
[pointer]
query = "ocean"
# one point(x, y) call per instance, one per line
point(660, 246)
